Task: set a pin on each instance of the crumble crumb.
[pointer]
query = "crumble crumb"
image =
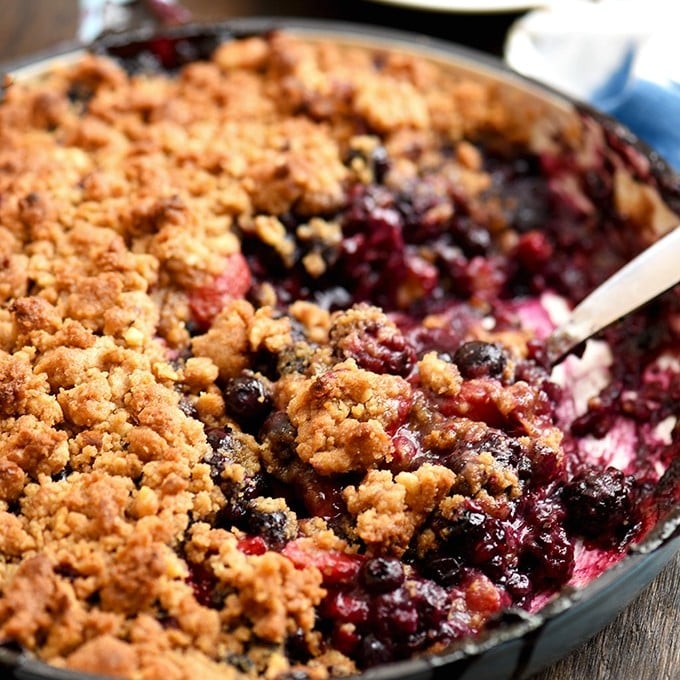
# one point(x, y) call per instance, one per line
point(343, 417)
point(390, 510)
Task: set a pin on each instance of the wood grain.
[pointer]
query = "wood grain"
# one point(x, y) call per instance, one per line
point(27, 26)
point(641, 643)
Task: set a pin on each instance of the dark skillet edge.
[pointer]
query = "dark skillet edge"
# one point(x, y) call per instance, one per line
point(643, 561)
point(22, 666)
point(645, 163)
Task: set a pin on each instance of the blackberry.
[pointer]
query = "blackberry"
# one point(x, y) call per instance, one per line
point(600, 504)
point(548, 559)
point(223, 444)
point(432, 602)
point(395, 614)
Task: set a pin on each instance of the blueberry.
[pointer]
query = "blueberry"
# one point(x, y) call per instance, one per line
point(506, 450)
point(448, 571)
point(233, 514)
point(466, 528)
point(472, 239)
point(79, 93)
point(67, 571)
point(373, 651)
point(279, 433)
point(381, 163)
point(239, 500)
point(187, 408)
point(222, 443)
point(240, 661)
point(377, 160)
point(62, 474)
point(193, 328)
point(477, 359)
point(382, 574)
point(297, 648)
point(416, 641)
point(247, 400)
point(274, 527)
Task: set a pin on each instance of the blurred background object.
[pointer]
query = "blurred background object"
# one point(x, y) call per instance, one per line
point(98, 16)
point(621, 56)
point(28, 26)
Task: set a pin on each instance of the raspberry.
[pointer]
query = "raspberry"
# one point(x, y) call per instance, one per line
point(533, 250)
point(379, 349)
point(335, 567)
point(252, 545)
point(206, 302)
point(347, 607)
point(481, 596)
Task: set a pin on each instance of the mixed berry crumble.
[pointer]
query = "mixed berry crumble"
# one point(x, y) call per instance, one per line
point(273, 395)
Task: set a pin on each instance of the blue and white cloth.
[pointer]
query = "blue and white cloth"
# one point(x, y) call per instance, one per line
point(621, 56)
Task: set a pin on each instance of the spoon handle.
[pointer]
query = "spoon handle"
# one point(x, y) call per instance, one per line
point(653, 271)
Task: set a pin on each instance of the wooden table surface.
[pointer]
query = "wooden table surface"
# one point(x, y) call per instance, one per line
point(642, 643)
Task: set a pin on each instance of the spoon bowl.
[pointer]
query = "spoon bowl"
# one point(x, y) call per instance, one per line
point(651, 273)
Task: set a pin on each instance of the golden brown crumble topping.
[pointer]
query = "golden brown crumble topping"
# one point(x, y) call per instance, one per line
point(390, 510)
point(202, 460)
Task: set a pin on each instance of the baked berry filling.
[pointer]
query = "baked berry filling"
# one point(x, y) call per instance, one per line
point(273, 388)
point(518, 500)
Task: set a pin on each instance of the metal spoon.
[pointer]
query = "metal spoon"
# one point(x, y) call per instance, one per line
point(653, 271)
